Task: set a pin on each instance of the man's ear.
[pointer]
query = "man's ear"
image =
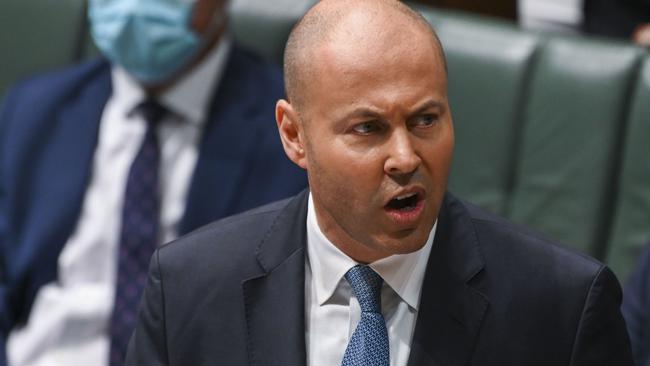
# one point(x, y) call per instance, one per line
point(291, 133)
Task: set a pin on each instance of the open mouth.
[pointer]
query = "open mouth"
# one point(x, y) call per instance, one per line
point(404, 202)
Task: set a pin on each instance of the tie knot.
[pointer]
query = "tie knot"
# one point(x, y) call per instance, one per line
point(151, 111)
point(366, 285)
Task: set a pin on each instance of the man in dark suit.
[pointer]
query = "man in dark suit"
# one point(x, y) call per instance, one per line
point(619, 19)
point(636, 309)
point(376, 264)
point(86, 174)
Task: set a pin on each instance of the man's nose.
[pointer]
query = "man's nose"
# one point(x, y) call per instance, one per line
point(402, 155)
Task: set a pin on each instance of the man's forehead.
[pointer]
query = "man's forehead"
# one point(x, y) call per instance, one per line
point(374, 52)
point(355, 35)
point(404, 81)
point(365, 34)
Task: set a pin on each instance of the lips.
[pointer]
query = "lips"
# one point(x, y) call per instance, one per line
point(403, 202)
point(406, 207)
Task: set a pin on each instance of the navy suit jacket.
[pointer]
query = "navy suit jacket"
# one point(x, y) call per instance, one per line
point(616, 18)
point(636, 309)
point(232, 293)
point(48, 134)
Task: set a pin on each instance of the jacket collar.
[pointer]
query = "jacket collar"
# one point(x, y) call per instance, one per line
point(226, 147)
point(58, 191)
point(451, 310)
point(275, 300)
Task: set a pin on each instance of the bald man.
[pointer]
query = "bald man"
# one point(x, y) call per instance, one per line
point(375, 264)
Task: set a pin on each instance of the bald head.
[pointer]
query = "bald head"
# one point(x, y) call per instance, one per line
point(376, 25)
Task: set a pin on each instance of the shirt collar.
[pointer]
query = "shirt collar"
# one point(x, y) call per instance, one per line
point(190, 96)
point(404, 273)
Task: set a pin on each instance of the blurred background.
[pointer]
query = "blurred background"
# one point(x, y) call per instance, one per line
point(547, 97)
point(41, 35)
point(550, 102)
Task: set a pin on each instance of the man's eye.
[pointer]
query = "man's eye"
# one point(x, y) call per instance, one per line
point(366, 128)
point(426, 120)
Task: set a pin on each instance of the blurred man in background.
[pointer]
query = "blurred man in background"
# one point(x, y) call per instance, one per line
point(103, 162)
point(626, 19)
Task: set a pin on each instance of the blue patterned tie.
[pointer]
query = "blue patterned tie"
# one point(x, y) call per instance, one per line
point(368, 345)
point(139, 232)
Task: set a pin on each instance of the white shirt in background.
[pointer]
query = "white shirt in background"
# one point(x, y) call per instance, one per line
point(551, 15)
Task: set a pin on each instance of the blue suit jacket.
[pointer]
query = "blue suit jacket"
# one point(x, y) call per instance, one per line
point(48, 134)
point(636, 309)
point(493, 295)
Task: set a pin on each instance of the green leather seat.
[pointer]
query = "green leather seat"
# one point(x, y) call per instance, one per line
point(572, 125)
point(631, 224)
point(263, 26)
point(38, 35)
point(488, 66)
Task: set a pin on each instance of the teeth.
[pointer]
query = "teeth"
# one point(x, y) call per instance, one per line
point(408, 195)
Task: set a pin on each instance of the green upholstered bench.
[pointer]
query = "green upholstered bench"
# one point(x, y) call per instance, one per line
point(551, 131)
point(630, 217)
point(39, 35)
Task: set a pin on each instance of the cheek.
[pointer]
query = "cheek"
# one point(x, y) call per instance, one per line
point(442, 157)
point(344, 179)
point(437, 157)
point(441, 149)
point(348, 174)
point(440, 166)
point(338, 157)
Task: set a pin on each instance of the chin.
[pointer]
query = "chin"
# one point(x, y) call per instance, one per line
point(409, 244)
point(416, 240)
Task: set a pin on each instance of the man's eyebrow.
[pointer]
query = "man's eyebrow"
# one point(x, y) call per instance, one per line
point(369, 112)
point(362, 112)
point(430, 104)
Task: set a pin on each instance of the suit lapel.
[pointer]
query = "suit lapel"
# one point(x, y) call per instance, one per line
point(275, 300)
point(451, 310)
point(59, 187)
point(225, 148)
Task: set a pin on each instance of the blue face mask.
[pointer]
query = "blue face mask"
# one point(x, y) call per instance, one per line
point(151, 39)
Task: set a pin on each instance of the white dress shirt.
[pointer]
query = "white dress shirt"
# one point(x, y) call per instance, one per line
point(68, 323)
point(551, 15)
point(331, 309)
